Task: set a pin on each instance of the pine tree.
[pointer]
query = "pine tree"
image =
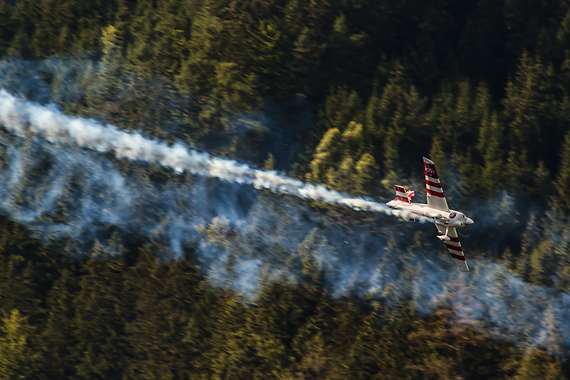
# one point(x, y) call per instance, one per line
point(7, 27)
point(531, 113)
point(111, 59)
point(489, 146)
point(341, 177)
point(57, 338)
point(269, 163)
point(165, 300)
point(306, 54)
point(541, 262)
point(17, 358)
point(234, 90)
point(99, 319)
point(326, 154)
point(397, 117)
point(553, 341)
point(340, 107)
point(538, 365)
point(563, 178)
point(367, 172)
point(20, 256)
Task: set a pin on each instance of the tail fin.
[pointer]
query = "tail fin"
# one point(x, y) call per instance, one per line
point(435, 196)
point(401, 194)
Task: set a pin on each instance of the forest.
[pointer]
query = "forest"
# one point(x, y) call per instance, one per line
point(120, 269)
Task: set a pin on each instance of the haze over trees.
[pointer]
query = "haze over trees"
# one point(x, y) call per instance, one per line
point(349, 94)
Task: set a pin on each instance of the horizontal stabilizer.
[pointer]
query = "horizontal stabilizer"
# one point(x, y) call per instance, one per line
point(401, 194)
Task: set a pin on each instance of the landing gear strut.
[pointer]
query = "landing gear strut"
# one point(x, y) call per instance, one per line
point(444, 237)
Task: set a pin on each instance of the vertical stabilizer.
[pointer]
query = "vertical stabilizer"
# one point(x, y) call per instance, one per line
point(435, 196)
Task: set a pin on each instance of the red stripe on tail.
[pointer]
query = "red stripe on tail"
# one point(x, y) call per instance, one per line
point(433, 184)
point(430, 170)
point(436, 193)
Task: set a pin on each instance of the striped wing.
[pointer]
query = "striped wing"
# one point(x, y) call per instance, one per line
point(454, 247)
point(435, 196)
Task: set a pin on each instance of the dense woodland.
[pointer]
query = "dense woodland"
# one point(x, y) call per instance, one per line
point(350, 94)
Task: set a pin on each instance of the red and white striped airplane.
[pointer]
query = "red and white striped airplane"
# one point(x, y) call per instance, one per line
point(437, 211)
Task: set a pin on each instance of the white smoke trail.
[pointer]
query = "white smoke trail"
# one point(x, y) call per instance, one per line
point(23, 117)
point(490, 298)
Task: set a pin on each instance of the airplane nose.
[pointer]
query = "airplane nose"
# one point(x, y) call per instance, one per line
point(469, 220)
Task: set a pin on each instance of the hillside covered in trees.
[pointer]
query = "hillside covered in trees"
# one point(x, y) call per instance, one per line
point(349, 94)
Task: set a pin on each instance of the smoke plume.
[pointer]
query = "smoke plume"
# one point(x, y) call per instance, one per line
point(24, 118)
point(244, 238)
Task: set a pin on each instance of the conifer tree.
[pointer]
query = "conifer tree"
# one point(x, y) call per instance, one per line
point(325, 155)
point(397, 117)
point(563, 178)
point(6, 25)
point(537, 364)
point(57, 338)
point(341, 176)
point(340, 107)
point(17, 358)
point(530, 113)
point(489, 146)
point(367, 172)
point(166, 297)
point(99, 319)
point(541, 262)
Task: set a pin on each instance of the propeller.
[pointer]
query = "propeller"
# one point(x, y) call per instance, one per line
point(465, 230)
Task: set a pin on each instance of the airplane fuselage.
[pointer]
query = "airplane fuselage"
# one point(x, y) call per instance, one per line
point(449, 218)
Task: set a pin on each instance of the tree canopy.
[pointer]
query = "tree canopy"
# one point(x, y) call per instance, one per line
point(348, 94)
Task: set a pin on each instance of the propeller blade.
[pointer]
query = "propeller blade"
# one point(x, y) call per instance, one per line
point(466, 233)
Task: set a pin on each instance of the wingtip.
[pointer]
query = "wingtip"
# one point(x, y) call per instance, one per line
point(427, 160)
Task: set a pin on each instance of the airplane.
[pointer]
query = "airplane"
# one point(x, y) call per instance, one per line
point(435, 211)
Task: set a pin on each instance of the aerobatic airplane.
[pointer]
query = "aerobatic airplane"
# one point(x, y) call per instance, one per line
point(437, 211)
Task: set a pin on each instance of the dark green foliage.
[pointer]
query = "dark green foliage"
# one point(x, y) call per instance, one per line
point(17, 358)
point(482, 86)
point(134, 317)
point(563, 180)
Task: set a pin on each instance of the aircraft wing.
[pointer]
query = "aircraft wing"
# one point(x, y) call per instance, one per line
point(454, 247)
